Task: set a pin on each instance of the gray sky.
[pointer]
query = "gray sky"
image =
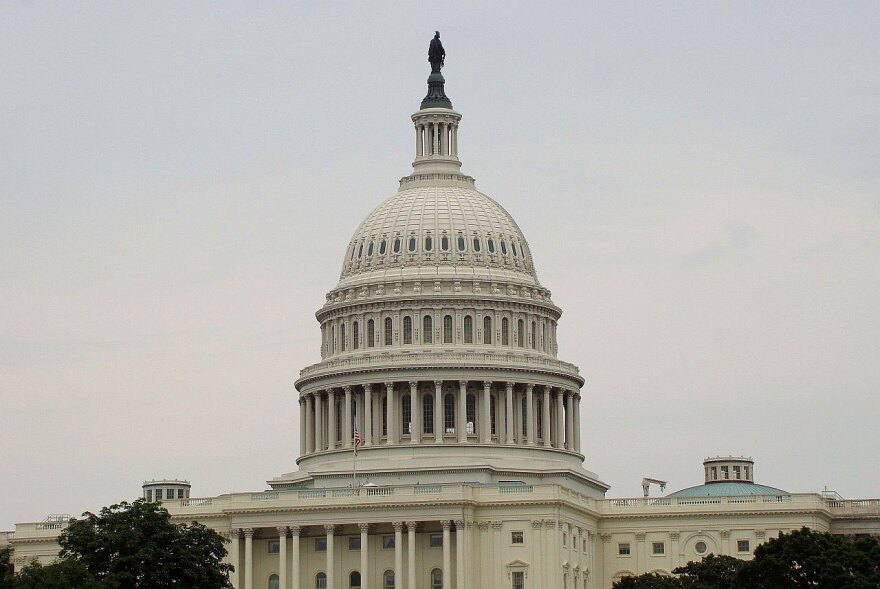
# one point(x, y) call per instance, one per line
point(699, 183)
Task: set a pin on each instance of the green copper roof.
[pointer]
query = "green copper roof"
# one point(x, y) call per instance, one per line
point(727, 489)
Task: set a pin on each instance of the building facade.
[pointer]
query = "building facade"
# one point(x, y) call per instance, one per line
point(439, 369)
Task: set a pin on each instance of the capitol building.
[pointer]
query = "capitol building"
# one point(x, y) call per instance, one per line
point(440, 432)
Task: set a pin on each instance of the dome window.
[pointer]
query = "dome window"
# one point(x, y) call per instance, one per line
point(491, 244)
point(444, 243)
point(396, 247)
point(513, 248)
point(370, 250)
point(503, 248)
point(476, 244)
point(412, 244)
point(360, 250)
point(382, 248)
point(429, 244)
point(461, 243)
point(353, 250)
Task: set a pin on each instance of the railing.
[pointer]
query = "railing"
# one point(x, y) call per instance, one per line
point(428, 490)
point(854, 503)
point(515, 489)
point(267, 496)
point(50, 526)
point(687, 501)
point(195, 502)
point(6, 536)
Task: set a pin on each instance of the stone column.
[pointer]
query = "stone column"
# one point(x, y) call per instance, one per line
point(310, 426)
point(460, 582)
point(574, 553)
point(530, 416)
point(439, 422)
point(398, 554)
point(577, 422)
point(725, 541)
point(569, 420)
point(485, 417)
point(368, 415)
point(331, 419)
point(545, 417)
point(390, 415)
point(295, 569)
point(461, 420)
point(485, 555)
point(414, 413)
point(447, 556)
point(319, 422)
point(365, 555)
point(235, 556)
point(248, 558)
point(302, 425)
point(560, 419)
point(510, 422)
point(282, 556)
point(346, 425)
point(640, 553)
point(537, 543)
point(331, 566)
point(674, 538)
point(411, 555)
point(418, 140)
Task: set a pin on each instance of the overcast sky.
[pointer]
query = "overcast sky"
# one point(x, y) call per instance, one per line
point(699, 184)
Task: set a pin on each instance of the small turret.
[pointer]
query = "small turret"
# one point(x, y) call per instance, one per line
point(165, 489)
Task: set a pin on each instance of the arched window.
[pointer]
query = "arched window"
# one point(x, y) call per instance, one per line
point(382, 247)
point(355, 335)
point(273, 581)
point(436, 579)
point(491, 245)
point(354, 580)
point(428, 414)
point(360, 250)
point(449, 413)
point(353, 250)
point(493, 415)
point(444, 243)
point(371, 333)
point(396, 247)
point(534, 335)
point(370, 249)
point(412, 243)
point(321, 581)
point(471, 411)
point(407, 330)
point(476, 244)
point(513, 247)
point(468, 329)
point(520, 333)
point(385, 415)
point(545, 345)
point(332, 339)
point(505, 332)
point(503, 248)
point(525, 417)
point(388, 580)
point(342, 337)
point(462, 245)
point(427, 329)
point(339, 421)
point(429, 244)
point(447, 329)
point(487, 330)
point(389, 333)
point(407, 414)
point(539, 417)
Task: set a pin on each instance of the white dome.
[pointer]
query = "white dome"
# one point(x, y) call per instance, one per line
point(438, 230)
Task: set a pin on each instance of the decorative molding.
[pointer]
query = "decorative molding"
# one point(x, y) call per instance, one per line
point(330, 528)
point(640, 536)
point(446, 524)
point(295, 530)
point(282, 531)
point(398, 526)
point(725, 534)
point(760, 533)
point(235, 533)
point(674, 535)
point(459, 524)
point(606, 537)
point(411, 526)
point(537, 524)
point(248, 532)
point(483, 526)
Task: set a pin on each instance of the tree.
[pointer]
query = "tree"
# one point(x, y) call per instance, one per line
point(713, 572)
point(648, 581)
point(817, 560)
point(5, 568)
point(63, 574)
point(136, 546)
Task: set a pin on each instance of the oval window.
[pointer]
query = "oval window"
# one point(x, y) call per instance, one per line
point(444, 243)
point(513, 248)
point(429, 243)
point(503, 247)
point(476, 244)
point(701, 547)
point(370, 249)
point(491, 244)
point(396, 247)
point(360, 250)
point(461, 243)
point(412, 244)
point(382, 248)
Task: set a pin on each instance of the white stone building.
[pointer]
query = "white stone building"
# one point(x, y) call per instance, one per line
point(438, 350)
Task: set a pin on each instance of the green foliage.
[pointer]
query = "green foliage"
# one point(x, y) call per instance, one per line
point(5, 568)
point(648, 581)
point(136, 546)
point(713, 572)
point(63, 574)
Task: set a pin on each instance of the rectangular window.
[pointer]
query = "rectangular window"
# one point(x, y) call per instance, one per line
point(517, 538)
point(354, 543)
point(564, 540)
point(743, 546)
point(387, 541)
point(180, 493)
point(274, 546)
point(320, 544)
point(736, 472)
point(158, 494)
point(623, 549)
point(585, 545)
point(658, 548)
point(436, 541)
point(519, 580)
point(149, 496)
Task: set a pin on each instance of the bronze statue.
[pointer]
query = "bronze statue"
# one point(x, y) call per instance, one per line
point(436, 54)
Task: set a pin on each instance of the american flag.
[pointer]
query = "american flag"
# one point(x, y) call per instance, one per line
point(357, 441)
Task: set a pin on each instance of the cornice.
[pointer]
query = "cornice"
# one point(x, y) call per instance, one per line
point(431, 299)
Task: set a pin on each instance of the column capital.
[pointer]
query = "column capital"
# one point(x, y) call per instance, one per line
point(483, 526)
point(487, 384)
point(235, 533)
point(282, 531)
point(295, 530)
point(438, 383)
point(248, 532)
point(537, 524)
point(330, 528)
point(411, 526)
point(331, 391)
point(674, 535)
point(549, 523)
point(459, 524)
point(606, 537)
point(529, 387)
point(725, 534)
point(496, 525)
point(446, 524)
point(640, 536)
point(398, 526)
point(389, 385)
point(462, 383)
point(413, 384)
point(347, 389)
point(368, 387)
point(364, 527)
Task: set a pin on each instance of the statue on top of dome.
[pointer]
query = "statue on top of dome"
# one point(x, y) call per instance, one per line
point(436, 53)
